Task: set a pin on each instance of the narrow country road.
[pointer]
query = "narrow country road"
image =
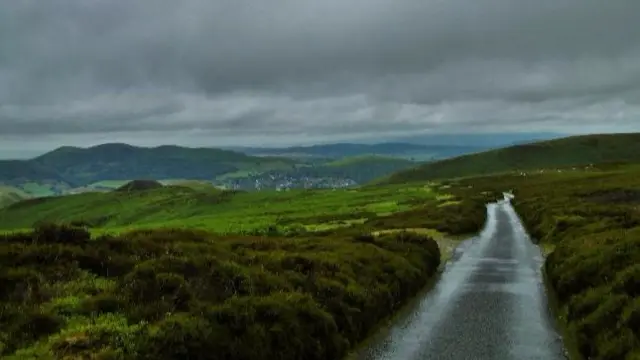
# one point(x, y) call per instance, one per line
point(489, 303)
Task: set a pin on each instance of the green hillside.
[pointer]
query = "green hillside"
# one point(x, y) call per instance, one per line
point(364, 160)
point(10, 195)
point(70, 170)
point(123, 162)
point(575, 150)
point(68, 167)
point(18, 171)
point(210, 209)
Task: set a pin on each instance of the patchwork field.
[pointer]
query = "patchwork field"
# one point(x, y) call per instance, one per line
point(224, 211)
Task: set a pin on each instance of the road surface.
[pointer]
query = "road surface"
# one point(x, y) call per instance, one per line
point(489, 303)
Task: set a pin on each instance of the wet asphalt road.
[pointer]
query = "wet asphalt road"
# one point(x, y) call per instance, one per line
point(489, 303)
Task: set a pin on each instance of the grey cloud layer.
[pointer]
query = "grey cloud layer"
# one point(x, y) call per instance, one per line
point(240, 67)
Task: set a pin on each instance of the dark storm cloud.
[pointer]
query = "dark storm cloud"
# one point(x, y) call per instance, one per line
point(292, 67)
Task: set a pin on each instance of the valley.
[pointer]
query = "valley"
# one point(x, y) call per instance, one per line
point(71, 170)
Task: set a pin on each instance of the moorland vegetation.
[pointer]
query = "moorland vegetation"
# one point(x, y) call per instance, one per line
point(191, 289)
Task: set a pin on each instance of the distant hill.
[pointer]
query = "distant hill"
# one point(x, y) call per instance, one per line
point(139, 185)
point(79, 167)
point(361, 169)
point(478, 140)
point(191, 184)
point(575, 150)
point(109, 166)
point(339, 150)
point(121, 161)
point(10, 195)
point(342, 172)
point(16, 171)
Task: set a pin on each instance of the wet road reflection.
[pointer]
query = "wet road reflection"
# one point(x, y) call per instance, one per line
point(489, 303)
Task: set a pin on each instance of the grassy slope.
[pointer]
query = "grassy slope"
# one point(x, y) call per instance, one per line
point(10, 195)
point(577, 150)
point(368, 160)
point(213, 210)
point(286, 295)
point(590, 222)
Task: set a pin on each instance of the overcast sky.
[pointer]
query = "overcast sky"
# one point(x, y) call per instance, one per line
point(240, 72)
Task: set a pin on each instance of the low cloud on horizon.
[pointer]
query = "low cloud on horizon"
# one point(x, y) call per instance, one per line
point(239, 72)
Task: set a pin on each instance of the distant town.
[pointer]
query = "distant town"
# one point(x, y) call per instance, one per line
point(284, 182)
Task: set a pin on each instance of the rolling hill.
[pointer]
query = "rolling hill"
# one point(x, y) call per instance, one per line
point(125, 162)
point(342, 172)
point(19, 171)
point(106, 167)
point(478, 140)
point(360, 169)
point(71, 167)
point(569, 151)
point(10, 195)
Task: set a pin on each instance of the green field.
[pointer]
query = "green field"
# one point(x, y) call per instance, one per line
point(221, 211)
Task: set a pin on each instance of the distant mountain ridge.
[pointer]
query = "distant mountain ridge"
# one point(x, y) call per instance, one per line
point(563, 152)
point(83, 166)
point(480, 140)
point(337, 150)
point(71, 169)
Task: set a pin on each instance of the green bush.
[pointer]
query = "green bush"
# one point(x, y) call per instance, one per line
point(167, 294)
point(182, 336)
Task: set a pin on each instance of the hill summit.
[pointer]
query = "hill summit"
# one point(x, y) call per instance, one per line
point(139, 185)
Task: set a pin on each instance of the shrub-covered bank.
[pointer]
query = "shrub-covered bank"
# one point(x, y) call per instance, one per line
point(177, 294)
point(185, 294)
point(592, 221)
